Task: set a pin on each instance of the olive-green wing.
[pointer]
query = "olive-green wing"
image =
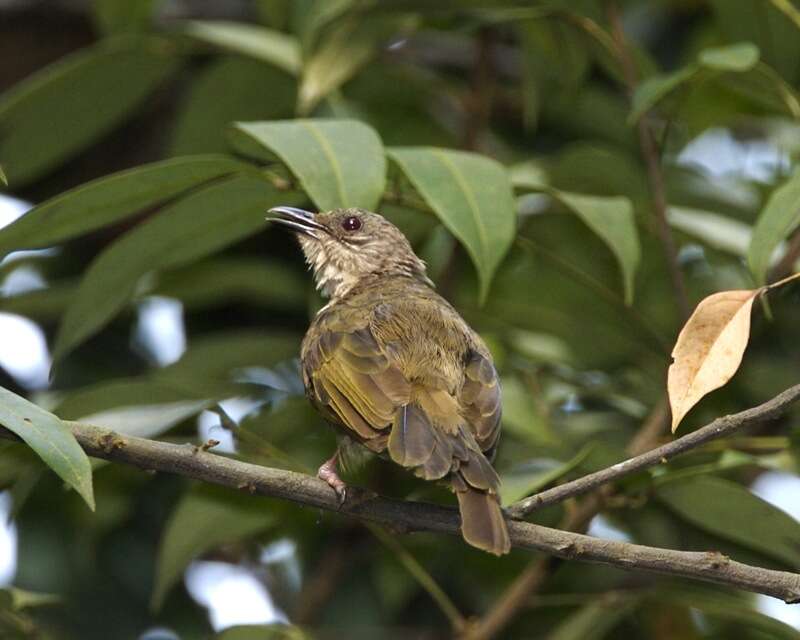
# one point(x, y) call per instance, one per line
point(349, 377)
point(480, 400)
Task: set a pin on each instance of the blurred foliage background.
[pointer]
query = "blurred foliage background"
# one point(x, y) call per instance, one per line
point(505, 139)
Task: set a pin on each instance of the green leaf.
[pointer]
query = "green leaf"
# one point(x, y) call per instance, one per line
point(216, 357)
point(112, 198)
point(257, 281)
point(762, 24)
point(472, 196)
point(192, 228)
point(536, 475)
point(262, 632)
point(60, 110)
point(713, 229)
point(347, 48)
point(205, 518)
point(779, 217)
point(230, 88)
point(3, 178)
point(656, 88)
point(51, 439)
point(726, 607)
point(267, 45)
point(611, 218)
point(339, 163)
point(210, 369)
point(730, 511)
point(529, 175)
point(521, 414)
point(23, 599)
point(595, 620)
point(115, 16)
point(147, 420)
point(738, 57)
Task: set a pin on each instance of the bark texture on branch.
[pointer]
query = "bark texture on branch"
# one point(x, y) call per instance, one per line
point(194, 462)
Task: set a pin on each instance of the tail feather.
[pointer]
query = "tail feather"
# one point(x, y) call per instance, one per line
point(482, 523)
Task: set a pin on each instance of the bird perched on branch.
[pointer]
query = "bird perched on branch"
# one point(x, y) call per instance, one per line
point(395, 367)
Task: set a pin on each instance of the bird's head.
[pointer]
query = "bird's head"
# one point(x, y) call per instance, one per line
point(343, 246)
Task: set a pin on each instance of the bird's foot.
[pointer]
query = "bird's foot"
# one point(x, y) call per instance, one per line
point(329, 472)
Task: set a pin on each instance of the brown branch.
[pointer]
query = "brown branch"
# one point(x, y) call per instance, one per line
point(191, 461)
point(720, 427)
point(650, 154)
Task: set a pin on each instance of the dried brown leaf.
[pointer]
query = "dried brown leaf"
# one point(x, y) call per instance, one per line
point(709, 349)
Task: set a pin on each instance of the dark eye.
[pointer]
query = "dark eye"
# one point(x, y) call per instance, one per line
point(352, 223)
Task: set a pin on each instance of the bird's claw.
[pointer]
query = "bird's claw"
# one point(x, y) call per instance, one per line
point(328, 473)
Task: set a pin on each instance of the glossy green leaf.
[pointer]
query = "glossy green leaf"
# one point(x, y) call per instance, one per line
point(112, 198)
point(146, 420)
point(230, 88)
point(730, 511)
point(736, 58)
point(192, 228)
point(762, 24)
point(656, 88)
point(221, 356)
point(60, 110)
point(529, 175)
point(267, 45)
point(472, 196)
point(256, 281)
point(205, 518)
point(51, 439)
point(319, 14)
point(347, 47)
point(714, 230)
point(42, 304)
point(741, 56)
point(779, 217)
point(339, 163)
point(613, 221)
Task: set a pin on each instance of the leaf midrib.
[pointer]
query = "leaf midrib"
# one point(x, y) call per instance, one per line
point(470, 197)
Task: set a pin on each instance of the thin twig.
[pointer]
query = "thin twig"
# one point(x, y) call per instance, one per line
point(187, 460)
point(650, 154)
point(723, 426)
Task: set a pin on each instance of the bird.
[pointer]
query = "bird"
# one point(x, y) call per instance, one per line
point(392, 365)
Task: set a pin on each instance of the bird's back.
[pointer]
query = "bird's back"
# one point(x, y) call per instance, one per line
point(395, 365)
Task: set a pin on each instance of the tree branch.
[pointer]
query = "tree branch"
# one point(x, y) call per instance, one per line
point(720, 427)
point(194, 462)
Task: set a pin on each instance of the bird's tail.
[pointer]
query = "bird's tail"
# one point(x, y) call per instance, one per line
point(482, 523)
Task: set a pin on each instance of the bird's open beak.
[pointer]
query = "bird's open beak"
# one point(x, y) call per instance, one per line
point(298, 220)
